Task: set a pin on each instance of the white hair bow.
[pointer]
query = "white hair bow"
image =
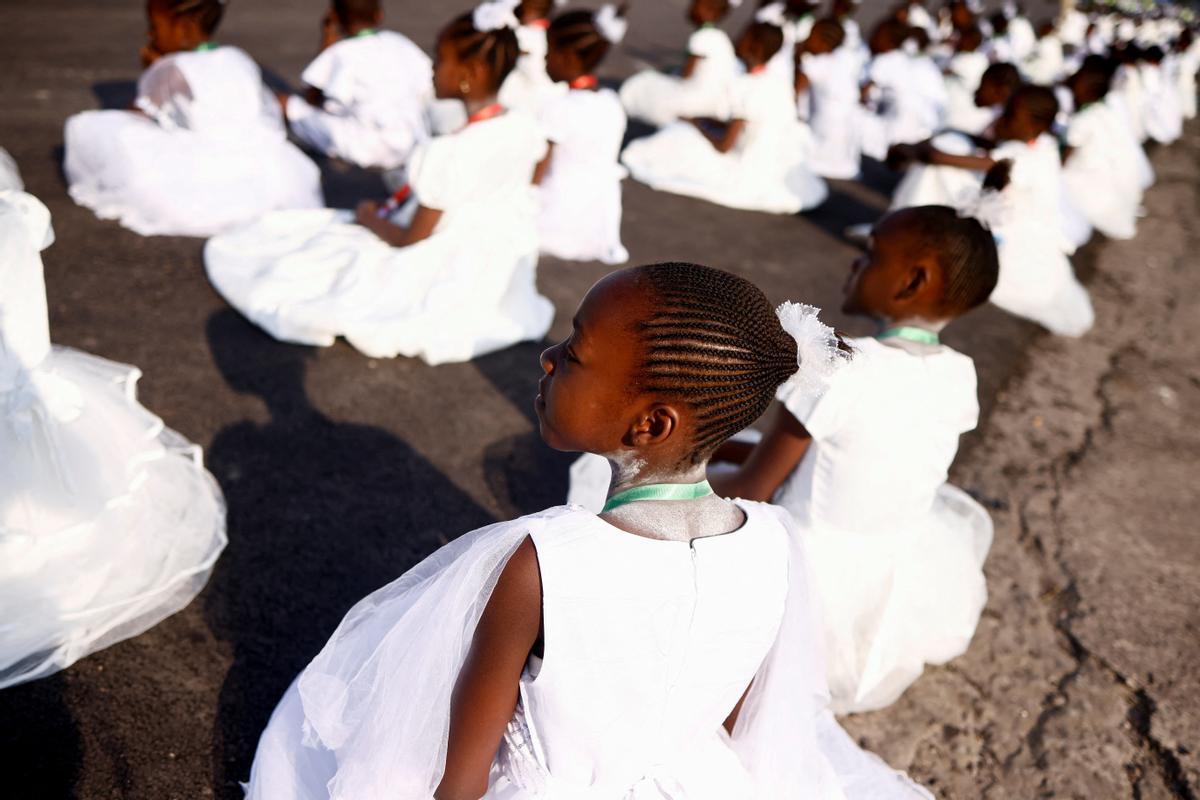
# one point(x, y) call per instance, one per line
point(818, 350)
point(772, 14)
point(610, 23)
point(494, 15)
point(988, 206)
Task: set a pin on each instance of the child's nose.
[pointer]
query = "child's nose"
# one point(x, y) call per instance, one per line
point(548, 358)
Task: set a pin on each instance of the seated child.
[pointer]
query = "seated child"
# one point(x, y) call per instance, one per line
point(894, 93)
point(1161, 109)
point(528, 86)
point(897, 552)
point(206, 149)
point(663, 648)
point(702, 89)
point(1101, 161)
point(827, 73)
point(580, 188)
point(964, 72)
point(795, 18)
point(369, 90)
point(758, 160)
point(1046, 64)
point(933, 185)
point(456, 277)
point(1036, 279)
point(110, 523)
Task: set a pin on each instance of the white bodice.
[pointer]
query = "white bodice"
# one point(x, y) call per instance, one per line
point(649, 644)
point(24, 328)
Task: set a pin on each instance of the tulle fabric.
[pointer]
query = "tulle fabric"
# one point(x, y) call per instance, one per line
point(10, 176)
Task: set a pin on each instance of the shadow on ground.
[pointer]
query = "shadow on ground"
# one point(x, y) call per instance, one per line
point(321, 513)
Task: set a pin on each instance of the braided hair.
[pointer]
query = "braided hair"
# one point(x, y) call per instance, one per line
point(497, 49)
point(715, 344)
point(966, 252)
point(576, 31)
point(350, 12)
point(766, 38)
point(1039, 102)
point(829, 31)
point(206, 13)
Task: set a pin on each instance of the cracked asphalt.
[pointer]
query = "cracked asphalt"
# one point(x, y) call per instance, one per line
point(341, 471)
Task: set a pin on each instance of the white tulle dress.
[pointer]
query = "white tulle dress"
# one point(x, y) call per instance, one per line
point(934, 185)
point(1162, 113)
point(963, 73)
point(469, 289)
point(648, 646)
point(109, 522)
point(660, 99)
point(1036, 279)
point(897, 552)
point(208, 151)
point(1102, 175)
point(378, 87)
point(768, 169)
point(528, 86)
point(834, 112)
point(580, 194)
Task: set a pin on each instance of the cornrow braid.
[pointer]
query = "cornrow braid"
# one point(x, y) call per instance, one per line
point(207, 13)
point(576, 31)
point(966, 251)
point(497, 49)
point(714, 343)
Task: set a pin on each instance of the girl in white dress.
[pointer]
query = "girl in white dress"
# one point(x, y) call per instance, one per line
point(1101, 173)
point(110, 522)
point(702, 89)
point(964, 71)
point(795, 18)
point(893, 88)
point(529, 86)
point(369, 90)
point(827, 83)
point(1036, 279)
point(1160, 97)
point(449, 275)
point(580, 185)
point(206, 148)
point(897, 552)
point(663, 648)
point(758, 161)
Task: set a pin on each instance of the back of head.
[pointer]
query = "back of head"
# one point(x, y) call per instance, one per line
point(496, 49)
point(970, 39)
point(829, 31)
point(206, 13)
point(966, 252)
point(714, 343)
point(357, 13)
point(1003, 76)
point(1093, 79)
point(1039, 103)
point(577, 31)
point(889, 35)
point(765, 39)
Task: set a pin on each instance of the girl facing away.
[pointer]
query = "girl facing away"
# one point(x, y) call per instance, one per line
point(662, 648)
point(528, 86)
point(702, 87)
point(368, 91)
point(897, 551)
point(110, 523)
point(1036, 279)
point(206, 147)
point(446, 276)
point(580, 180)
point(757, 160)
point(826, 80)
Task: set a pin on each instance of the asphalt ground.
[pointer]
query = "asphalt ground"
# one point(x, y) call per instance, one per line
point(342, 471)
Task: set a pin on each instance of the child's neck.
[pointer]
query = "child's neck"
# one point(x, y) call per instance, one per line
point(629, 471)
point(475, 105)
point(919, 323)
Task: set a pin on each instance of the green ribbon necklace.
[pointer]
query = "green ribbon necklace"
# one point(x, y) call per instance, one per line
point(204, 47)
point(658, 491)
point(919, 335)
point(366, 32)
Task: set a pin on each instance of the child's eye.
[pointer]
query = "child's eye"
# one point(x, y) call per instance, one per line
point(571, 355)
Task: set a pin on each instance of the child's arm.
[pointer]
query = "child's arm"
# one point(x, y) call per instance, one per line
point(769, 464)
point(543, 166)
point(485, 695)
point(722, 136)
point(421, 228)
point(926, 153)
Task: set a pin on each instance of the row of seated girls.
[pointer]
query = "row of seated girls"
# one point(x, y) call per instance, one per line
point(520, 661)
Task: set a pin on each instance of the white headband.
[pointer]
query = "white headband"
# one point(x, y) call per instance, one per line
point(494, 15)
point(612, 25)
point(773, 14)
point(818, 350)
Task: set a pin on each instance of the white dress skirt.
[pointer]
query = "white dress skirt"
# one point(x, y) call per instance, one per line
point(1102, 176)
point(933, 185)
point(660, 99)
point(834, 111)
point(768, 169)
point(208, 150)
point(378, 89)
point(580, 195)
point(649, 644)
point(110, 522)
point(469, 289)
point(1036, 279)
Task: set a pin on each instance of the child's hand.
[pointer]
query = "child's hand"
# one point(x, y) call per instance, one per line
point(367, 213)
point(999, 175)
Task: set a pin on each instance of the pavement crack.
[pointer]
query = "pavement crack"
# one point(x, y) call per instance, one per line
point(1140, 716)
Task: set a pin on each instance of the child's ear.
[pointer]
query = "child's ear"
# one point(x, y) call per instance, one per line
point(655, 426)
point(916, 278)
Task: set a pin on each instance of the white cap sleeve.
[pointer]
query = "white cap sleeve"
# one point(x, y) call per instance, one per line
point(431, 173)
